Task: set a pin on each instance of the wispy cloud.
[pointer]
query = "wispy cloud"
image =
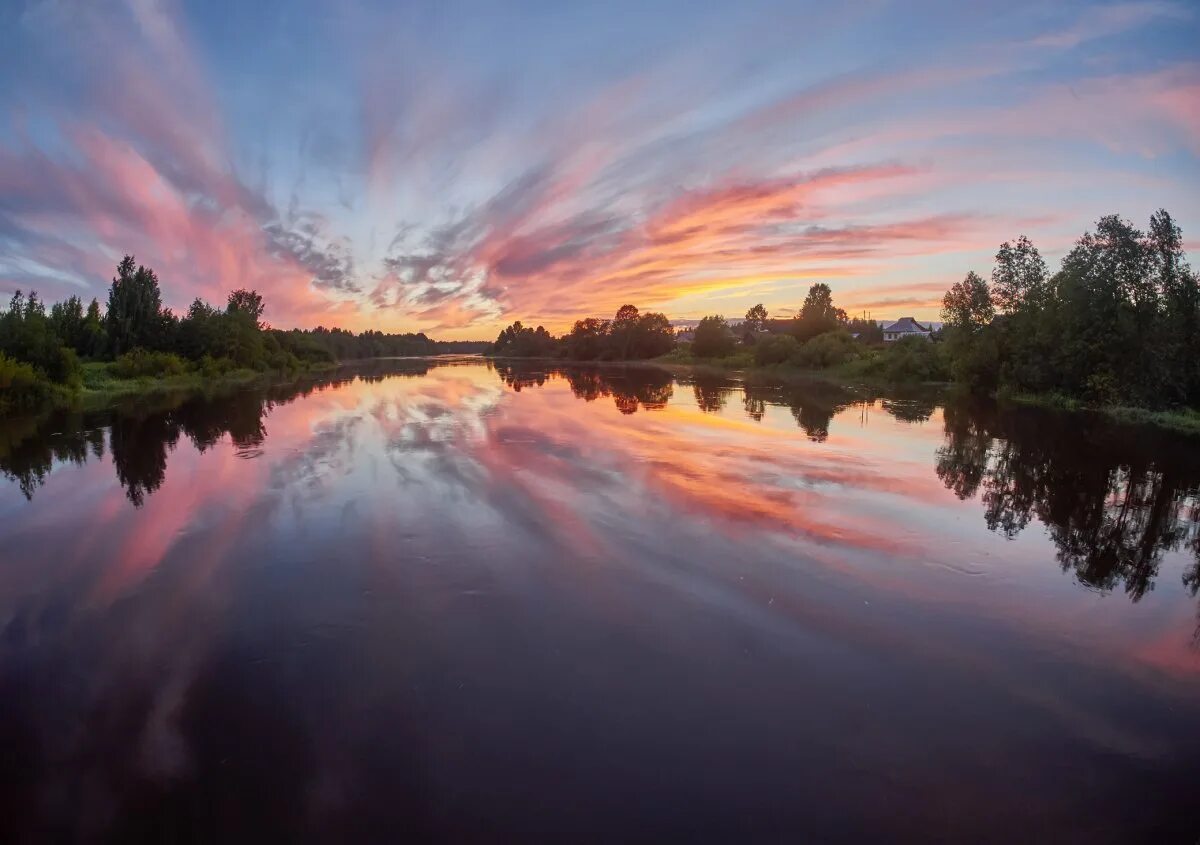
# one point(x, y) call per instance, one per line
point(385, 168)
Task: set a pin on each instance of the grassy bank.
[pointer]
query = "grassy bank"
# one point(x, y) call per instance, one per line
point(101, 384)
point(866, 371)
point(1183, 420)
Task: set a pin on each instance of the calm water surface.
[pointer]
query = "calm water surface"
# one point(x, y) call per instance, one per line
point(458, 601)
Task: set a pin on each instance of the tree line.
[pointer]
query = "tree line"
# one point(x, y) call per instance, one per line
point(41, 347)
point(632, 335)
point(629, 336)
point(1118, 323)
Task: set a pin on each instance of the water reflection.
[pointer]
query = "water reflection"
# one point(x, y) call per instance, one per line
point(1112, 499)
point(407, 600)
point(1112, 502)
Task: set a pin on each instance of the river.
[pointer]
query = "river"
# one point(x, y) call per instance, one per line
point(471, 601)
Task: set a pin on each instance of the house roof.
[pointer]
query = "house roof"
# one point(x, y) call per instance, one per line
point(907, 324)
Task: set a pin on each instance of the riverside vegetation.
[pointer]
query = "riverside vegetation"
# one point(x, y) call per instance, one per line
point(70, 352)
point(1117, 328)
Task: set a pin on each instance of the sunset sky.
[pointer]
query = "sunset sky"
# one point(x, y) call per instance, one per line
point(450, 167)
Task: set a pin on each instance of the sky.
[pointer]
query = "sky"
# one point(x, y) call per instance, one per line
point(451, 167)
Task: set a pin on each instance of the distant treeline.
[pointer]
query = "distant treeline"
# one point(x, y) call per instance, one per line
point(629, 336)
point(41, 347)
point(632, 335)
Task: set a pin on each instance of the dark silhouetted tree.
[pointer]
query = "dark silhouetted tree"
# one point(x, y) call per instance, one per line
point(135, 315)
point(713, 338)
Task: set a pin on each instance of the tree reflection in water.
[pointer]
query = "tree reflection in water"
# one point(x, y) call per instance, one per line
point(1113, 499)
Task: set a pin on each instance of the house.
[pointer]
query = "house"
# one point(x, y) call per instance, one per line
point(906, 327)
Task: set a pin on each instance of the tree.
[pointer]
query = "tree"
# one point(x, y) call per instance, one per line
point(522, 342)
point(756, 318)
point(1019, 277)
point(27, 335)
point(818, 314)
point(135, 315)
point(630, 335)
point(247, 302)
point(713, 338)
point(93, 331)
point(1108, 307)
point(623, 331)
point(1118, 323)
point(971, 342)
point(968, 304)
point(653, 336)
point(66, 319)
point(587, 340)
point(1179, 289)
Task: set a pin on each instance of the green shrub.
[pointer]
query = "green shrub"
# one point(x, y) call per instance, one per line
point(914, 359)
point(211, 368)
point(139, 363)
point(775, 349)
point(64, 368)
point(21, 386)
point(830, 349)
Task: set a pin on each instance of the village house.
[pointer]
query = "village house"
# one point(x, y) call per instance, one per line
point(906, 327)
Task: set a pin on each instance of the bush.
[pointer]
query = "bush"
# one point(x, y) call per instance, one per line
point(713, 338)
point(64, 368)
point(914, 359)
point(212, 368)
point(21, 387)
point(139, 363)
point(974, 357)
point(775, 349)
point(826, 350)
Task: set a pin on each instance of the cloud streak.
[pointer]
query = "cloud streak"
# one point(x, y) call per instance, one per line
point(449, 181)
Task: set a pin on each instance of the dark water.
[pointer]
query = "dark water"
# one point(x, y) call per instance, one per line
point(473, 603)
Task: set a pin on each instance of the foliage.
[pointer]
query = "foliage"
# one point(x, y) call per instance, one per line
point(713, 338)
point(247, 302)
point(27, 334)
point(756, 319)
point(135, 314)
point(1119, 323)
point(145, 340)
point(818, 314)
point(911, 359)
point(523, 342)
point(143, 363)
point(21, 386)
point(968, 304)
point(830, 349)
point(869, 332)
point(588, 340)
point(629, 336)
point(775, 349)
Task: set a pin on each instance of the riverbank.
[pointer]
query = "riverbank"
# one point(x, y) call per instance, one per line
point(855, 375)
point(100, 386)
point(1184, 421)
